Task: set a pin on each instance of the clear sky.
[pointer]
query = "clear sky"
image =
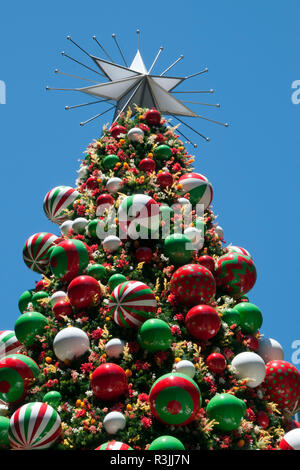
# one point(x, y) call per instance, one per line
point(251, 50)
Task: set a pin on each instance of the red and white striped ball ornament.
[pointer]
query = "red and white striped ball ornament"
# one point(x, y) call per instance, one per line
point(114, 445)
point(8, 343)
point(34, 426)
point(36, 251)
point(239, 250)
point(291, 440)
point(57, 200)
point(198, 187)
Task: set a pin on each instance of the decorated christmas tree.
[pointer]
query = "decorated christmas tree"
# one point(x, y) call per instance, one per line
point(139, 335)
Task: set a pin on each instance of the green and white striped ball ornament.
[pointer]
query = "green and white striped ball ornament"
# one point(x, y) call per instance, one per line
point(57, 200)
point(8, 343)
point(37, 249)
point(131, 303)
point(198, 187)
point(68, 259)
point(139, 210)
point(34, 426)
point(17, 374)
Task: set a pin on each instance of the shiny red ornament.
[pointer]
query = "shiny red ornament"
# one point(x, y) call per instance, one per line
point(84, 291)
point(153, 117)
point(251, 342)
point(42, 285)
point(202, 322)
point(92, 183)
point(108, 382)
point(208, 262)
point(144, 254)
point(164, 179)
point(216, 363)
point(105, 198)
point(193, 284)
point(282, 385)
point(62, 308)
point(117, 130)
point(147, 164)
point(262, 419)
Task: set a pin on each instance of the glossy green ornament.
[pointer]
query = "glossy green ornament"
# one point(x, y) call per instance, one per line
point(227, 410)
point(24, 300)
point(155, 335)
point(166, 443)
point(4, 426)
point(28, 326)
point(115, 280)
point(177, 249)
point(92, 228)
point(163, 152)
point(231, 317)
point(97, 271)
point(52, 398)
point(37, 296)
point(250, 317)
point(110, 161)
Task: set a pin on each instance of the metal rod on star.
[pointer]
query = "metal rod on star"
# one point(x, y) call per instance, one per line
point(225, 124)
point(138, 39)
point(114, 36)
point(85, 104)
point(77, 45)
point(105, 52)
point(83, 65)
point(186, 138)
point(203, 104)
point(74, 76)
point(196, 74)
point(172, 65)
point(190, 127)
point(155, 60)
point(201, 91)
point(97, 115)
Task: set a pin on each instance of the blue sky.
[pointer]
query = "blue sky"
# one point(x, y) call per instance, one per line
point(251, 50)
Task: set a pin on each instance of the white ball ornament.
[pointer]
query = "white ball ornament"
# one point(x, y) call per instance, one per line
point(70, 343)
point(185, 367)
point(79, 224)
point(250, 365)
point(114, 184)
point(219, 232)
point(135, 134)
point(66, 227)
point(270, 350)
point(114, 422)
point(111, 243)
point(57, 297)
point(114, 347)
point(291, 440)
point(195, 236)
point(82, 172)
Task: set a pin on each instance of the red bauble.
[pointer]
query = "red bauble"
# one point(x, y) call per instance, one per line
point(193, 284)
point(144, 253)
point(208, 262)
point(251, 342)
point(216, 363)
point(117, 130)
point(164, 179)
point(42, 285)
point(62, 308)
point(282, 385)
point(108, 382)
point(153, 116)
point(84, 291)
point(92, 183)
point(262, 419)
point(147, 164)
point(202, 322)
point(105, 198)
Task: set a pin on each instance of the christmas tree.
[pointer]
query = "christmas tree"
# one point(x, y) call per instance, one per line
point(140, 334)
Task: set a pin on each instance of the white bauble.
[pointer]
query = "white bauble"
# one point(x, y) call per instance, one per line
point(270, 350)
point(79, 225)
point(195, 236)
point(70, 343)
point(114, 422)
point(66, 227)
point(114, 184)
point(291, 440)
point(114, 347)
point(135, 134)
point(82, 172)
point(185, 367)
point(250, 365)
point(183, 201)
point(57, 297)
point(111, 243)
point(219, 232)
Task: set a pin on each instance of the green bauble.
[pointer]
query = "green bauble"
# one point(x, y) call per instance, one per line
point(163, 152)
point(97, 271)
point(177, 248)
point(24, 300)
point(37, 296)
point(250, 317)
point(231, 316)
point(52, 398)
point(92, 227)
point(28, 326)
point(110, 161)
point(155, 335)
point(166, 443)
point(227, 410)
point(115, 280)
point(4, 426)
